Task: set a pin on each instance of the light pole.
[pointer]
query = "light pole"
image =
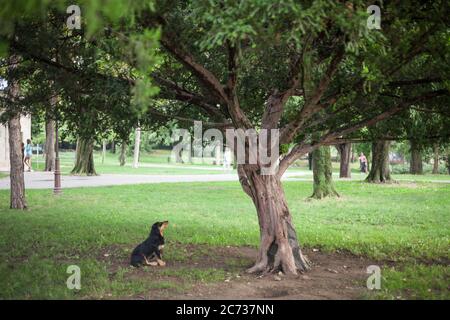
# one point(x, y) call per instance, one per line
point(57, 188)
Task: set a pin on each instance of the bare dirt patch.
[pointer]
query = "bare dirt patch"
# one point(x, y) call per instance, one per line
point(334, 276)
point(205, 272)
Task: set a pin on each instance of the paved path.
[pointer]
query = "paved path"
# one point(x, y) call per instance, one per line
point(44, 180)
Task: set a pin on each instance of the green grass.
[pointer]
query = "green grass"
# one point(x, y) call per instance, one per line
point(414, 282)
point(3, 175)
point(357, 176)
point(421, 177)
point(404, 222)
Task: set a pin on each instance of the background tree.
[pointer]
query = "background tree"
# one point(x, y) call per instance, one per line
point(345, 156)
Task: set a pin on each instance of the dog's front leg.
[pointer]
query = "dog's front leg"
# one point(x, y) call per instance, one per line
point(158, 256)
point(160, 262)
point(149, 263)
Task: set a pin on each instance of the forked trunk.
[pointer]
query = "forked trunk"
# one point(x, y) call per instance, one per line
point(279, 247)
point(322, 174)
point(49, 145)
point(379, 172)
point(84, 163)
point(345, 153)
point(416, 159)
point(16, 163)
point(436, 158)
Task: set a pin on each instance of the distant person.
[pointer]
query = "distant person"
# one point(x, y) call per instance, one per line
point(363, 162)
point(227, 159)
point(28, 155)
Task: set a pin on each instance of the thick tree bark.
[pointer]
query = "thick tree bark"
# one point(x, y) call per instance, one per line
point(379, 172)
point(322, 173)
point(345, 152)
point(123, 153)
point(279, 247)
point(49, 145)
point(436, 158)
point(137, 147)
point(16, 163)
point(84, 163)
point(17, 187)
point(416, 159)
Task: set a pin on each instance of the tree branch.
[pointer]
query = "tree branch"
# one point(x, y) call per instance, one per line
point(181, 94)
point(312, 105)
point(277, 100)
point(207, 124)
point(330, 138)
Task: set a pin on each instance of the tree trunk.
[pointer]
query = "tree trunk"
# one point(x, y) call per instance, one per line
point(123, 155)
point(345, 152)
point(103, 151)
point(49, 145)
point(436, 159)
point(279, 247)
point(16, 162)
point(16, 156)
point(310, 157)
point(447, 162)
point(137, 147)
point(113, 147)
point(379, 172)
point(84, 163)
point(416, 159)
point(322, 173)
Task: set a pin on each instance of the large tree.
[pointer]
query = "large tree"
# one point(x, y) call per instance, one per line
point(239, 65)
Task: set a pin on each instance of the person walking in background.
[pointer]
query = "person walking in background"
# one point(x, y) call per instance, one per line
point(28, 154)
point(363, 162)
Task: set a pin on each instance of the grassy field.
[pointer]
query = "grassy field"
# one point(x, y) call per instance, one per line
point(407, 223)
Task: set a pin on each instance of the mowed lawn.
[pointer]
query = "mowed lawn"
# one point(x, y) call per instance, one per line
point(405, 223)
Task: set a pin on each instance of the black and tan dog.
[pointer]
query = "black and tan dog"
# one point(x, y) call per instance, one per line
point(150, 251)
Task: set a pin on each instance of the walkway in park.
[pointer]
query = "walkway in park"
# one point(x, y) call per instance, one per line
point(44, 180)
